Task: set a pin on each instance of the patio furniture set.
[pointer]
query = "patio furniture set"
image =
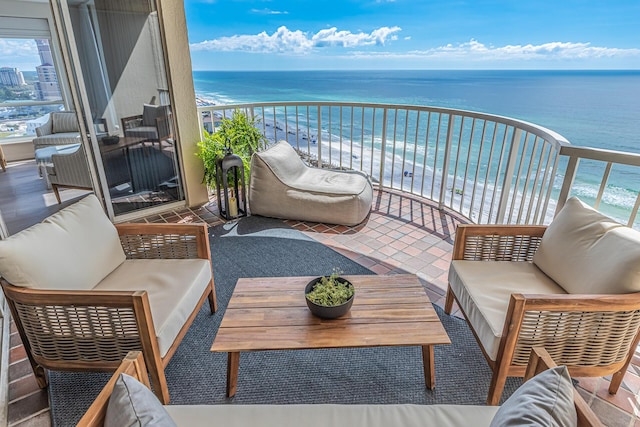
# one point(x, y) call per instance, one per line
point(61, 158)
point(573, 291)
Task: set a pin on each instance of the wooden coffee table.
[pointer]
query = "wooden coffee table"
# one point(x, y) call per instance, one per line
point(271, 314)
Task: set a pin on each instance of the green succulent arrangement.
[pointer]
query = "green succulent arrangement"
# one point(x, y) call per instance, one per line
point(241, 133)
point(330, 291)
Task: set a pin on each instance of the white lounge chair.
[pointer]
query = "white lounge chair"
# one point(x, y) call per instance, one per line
point(282, 186)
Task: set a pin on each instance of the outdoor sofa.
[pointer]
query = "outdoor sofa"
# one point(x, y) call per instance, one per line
point(547, 399)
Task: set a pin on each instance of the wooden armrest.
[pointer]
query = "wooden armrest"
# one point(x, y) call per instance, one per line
point(133, 365)
point(168, 241)
point(161, 228)
point(115, 299)
point(540, 361)
point(481, 242)
point(578, 302)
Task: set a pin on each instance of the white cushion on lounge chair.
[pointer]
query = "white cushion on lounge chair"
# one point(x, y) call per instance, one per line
point(587, 252)
point(483, 289)
point(332, 415)
point(73, 249)
point(174, 287)
point(282, 186)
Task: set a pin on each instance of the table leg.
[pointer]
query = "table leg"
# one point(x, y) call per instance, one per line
point(428, 361)
point(233, 363)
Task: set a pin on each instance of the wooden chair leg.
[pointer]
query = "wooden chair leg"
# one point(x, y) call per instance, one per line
point(54, 187)
point(41, 376)
point(213, 301)
point(158, 378)
point(496, 387)
point(448, 303)
point(616, 379)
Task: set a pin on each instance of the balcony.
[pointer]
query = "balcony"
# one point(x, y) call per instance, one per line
point(434, 168)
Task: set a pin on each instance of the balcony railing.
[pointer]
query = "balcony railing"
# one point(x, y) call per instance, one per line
point(490, 169)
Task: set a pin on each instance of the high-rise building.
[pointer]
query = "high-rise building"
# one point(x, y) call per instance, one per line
point(11, 77)
point(47, 88)
point(44, 51)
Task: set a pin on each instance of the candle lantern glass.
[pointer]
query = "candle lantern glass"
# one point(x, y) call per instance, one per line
point(230, 186)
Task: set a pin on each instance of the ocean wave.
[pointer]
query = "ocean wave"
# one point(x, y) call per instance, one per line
point(613, 196)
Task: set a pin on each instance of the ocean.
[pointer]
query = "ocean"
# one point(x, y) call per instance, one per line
point(590, 108)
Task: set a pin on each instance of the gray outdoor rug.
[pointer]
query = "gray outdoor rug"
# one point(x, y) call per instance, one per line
point(262, 247)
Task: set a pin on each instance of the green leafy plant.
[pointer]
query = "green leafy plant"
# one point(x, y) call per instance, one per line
point(240, 133)
point(331, 291)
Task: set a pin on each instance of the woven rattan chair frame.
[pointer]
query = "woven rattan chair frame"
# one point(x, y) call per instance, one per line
point(94, 330)
point(594, 335)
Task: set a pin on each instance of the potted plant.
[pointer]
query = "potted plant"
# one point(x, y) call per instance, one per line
point(329, 296)
point(240, 134)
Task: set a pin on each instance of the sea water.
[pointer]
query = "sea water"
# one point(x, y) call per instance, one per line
point(589, 108)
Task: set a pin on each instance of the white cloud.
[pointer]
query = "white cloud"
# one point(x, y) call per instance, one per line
point(17, 47)
point(19, 53)
point(474, 50)
point(269, 12)
point(298, 42)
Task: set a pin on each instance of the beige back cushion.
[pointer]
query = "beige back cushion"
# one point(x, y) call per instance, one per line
point(282, 160)
point(64, 121)
point(587, 252)
point(73, 249)
point(285, 164)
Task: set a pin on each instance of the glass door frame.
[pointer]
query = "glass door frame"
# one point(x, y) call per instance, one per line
point(80, 101)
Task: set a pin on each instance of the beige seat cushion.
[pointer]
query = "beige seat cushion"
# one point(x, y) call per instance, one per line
point(282, 186)
point(73, 249)
point(483, 289)
point(587, 252)
point(332, 415)
point(63, 138)
point(174, 287)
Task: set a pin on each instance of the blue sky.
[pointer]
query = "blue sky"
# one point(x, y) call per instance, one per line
point(401, 34)
point(413, 34)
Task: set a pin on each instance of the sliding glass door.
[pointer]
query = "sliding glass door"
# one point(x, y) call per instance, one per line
point(113, 50)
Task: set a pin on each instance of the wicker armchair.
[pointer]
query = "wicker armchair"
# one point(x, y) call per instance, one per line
point(593, 334)
point(146, 303)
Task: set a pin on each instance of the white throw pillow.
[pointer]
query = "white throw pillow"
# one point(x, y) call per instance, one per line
point(587, 252)
point(546, 400)
point(74, 249)
point(133, 404)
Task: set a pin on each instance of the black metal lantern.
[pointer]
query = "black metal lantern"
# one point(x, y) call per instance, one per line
point(230, 169)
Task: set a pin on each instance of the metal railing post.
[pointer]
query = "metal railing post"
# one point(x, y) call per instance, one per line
point(319, 140)
point(567, 182)
point(383, 143)
point(508, 175)
point(445, 166)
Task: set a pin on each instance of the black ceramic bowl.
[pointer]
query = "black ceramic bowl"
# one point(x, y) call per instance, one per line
point(110, 140)
point(324, 311)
